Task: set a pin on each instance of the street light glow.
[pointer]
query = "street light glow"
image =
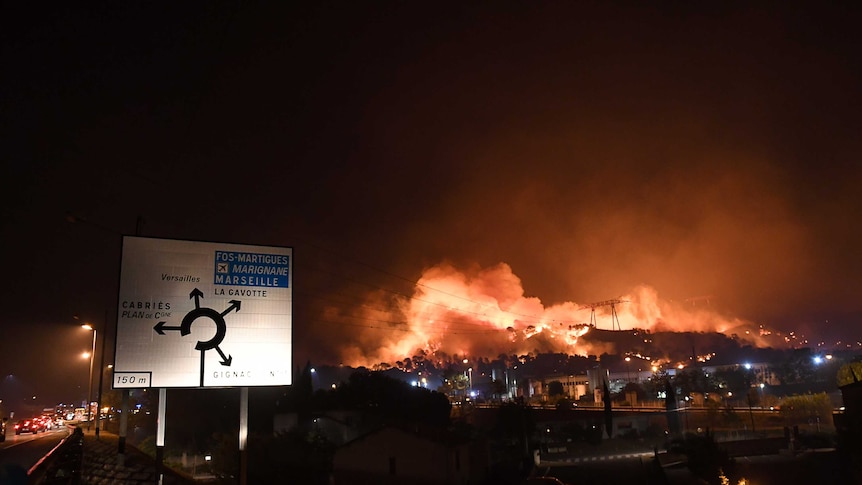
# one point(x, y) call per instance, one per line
point(90, 355)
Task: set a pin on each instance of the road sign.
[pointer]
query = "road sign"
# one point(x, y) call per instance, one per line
point(203, 314)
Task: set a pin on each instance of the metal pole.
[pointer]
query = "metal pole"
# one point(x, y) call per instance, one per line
point(124, 424)
point(101, 376)
point(121, 444)
point(243, 436)
point(90, 384)
point(160, 435)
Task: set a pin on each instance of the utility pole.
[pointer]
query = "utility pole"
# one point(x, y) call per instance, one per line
point(611, 303)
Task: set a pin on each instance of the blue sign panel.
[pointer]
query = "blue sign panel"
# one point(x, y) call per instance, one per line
point(252, 269)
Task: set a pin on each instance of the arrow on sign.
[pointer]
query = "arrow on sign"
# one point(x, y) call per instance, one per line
point(233, 304)
point(161, 327)
point(197, 295)
point(226, 361)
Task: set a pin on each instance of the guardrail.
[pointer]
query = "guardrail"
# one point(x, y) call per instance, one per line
point(62, 465)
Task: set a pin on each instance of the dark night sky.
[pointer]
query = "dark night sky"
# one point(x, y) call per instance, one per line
point(593, 148)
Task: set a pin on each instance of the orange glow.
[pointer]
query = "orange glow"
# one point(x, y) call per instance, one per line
point(484, 312)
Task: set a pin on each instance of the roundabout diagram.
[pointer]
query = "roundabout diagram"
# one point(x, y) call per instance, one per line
point(216, 317)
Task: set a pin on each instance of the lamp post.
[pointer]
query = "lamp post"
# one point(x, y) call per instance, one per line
point(124, 404)
point(87, 326)
point(101, 376)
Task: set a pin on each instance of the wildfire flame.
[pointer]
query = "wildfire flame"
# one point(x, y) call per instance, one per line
point(484, 312)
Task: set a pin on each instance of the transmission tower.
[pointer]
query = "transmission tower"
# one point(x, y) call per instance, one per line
point(611, 303)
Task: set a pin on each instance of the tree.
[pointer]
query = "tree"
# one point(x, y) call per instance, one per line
point(738, 380)
point(797, 368)
point(802, 409)
point(555, 388)
point(692, 380)
point(390, 398)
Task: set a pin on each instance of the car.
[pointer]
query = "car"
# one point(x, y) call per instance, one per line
point(47, 422)
point(31, 425)
point(3, 429)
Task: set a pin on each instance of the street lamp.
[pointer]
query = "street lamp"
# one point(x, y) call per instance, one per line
point(88, 326)
point(92, 355)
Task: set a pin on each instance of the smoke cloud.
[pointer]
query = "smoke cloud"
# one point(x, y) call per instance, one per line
point(484, 312)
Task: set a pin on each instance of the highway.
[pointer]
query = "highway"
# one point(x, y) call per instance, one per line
point(21, 452)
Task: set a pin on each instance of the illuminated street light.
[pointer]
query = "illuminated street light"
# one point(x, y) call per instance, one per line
point(87, 326)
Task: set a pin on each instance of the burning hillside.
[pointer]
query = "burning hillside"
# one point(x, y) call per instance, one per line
point(484, 312)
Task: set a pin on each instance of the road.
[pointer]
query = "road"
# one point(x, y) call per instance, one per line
point(626, 468)
point(814, 466)
point(20, 452)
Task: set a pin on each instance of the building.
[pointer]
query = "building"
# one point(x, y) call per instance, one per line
point(574, 386)
point(396, 455)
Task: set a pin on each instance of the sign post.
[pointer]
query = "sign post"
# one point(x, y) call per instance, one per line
point(203, 315)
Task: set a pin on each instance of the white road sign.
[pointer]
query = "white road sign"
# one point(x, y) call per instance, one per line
point(202, 314)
